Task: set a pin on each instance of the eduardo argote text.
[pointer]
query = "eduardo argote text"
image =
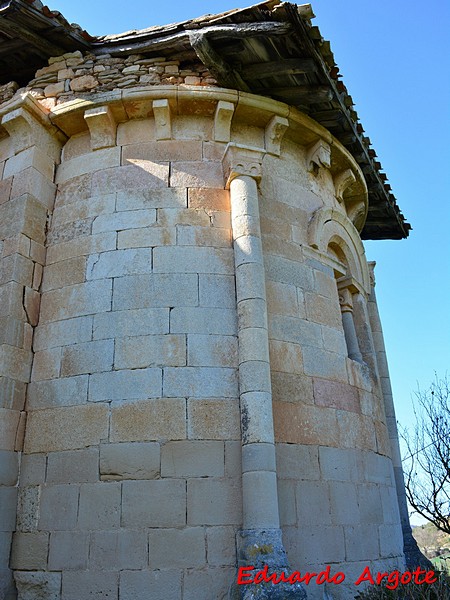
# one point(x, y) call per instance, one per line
point(390, 580)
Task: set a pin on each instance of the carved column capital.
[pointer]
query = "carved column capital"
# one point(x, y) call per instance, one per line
point(240, 160)
point(345, 300)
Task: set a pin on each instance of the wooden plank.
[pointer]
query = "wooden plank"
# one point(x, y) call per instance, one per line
point(217, 66)
point(15, 31)
point(287, 66)
point(301, 94)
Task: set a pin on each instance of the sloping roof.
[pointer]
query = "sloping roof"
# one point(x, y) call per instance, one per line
point(29, 34)
point(270, 49)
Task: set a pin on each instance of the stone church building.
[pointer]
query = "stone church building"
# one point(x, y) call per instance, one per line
point(192, 370)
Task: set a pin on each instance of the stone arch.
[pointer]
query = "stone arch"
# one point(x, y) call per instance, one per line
point(330, 228)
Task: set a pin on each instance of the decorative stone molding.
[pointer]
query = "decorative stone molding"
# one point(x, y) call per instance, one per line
point(240, 160)
point(102, 127)
point(319, 155)
point(273, 134)
point(332, 226)
point(28, 125)
point(345, 300)
point(163, 123)
point(342, 181)
point(222, 121)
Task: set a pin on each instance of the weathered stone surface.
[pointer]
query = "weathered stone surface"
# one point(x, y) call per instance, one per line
point(216, 419)
point(150, 351)
point(151, 585)
point(122, 549)
point(29, 551)
point(66, 428)
point(179, 548)
point(73, 466)
point(126, 384)
point(211, 502)
point(99, 505)
point(154, 503)
point(38, 585)
point(192, 459)
point(83, 84)
point(89, 584)
point(163, 418)
point(130, 461)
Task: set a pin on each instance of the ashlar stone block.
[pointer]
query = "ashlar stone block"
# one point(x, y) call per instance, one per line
point(212, 350)
point(151, 585)
point(73, 466)
point(127, 384)
point(88, 357)
point(160, 503)
point(158, 419)
point(150, 351)
point(213, 419)
point(193, 260)
point(76, 300)
point(192, 459)
point(67, 391)
point(156, 290)
point(179, 548)
point(128, 323)
point(68, 550)
point(59, 507)
point(67, 428)
point(117, 550)
point(62, 333)
point(38, 585)
point(203, 320)
point(200, 382)
point(100, 505)
point(213, 502)
point(139, 460)
point(90, 585)
point(130, 219)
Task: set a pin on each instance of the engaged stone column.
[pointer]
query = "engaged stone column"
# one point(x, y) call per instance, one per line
point(411, 550)
point(346, 302)
point(261, 543)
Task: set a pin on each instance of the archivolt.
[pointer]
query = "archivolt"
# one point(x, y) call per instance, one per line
point(330, 228)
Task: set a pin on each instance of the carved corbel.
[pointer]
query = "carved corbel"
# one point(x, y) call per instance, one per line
point(273, 135)
point(163, 124)
point(222, 121)
point(371, 265)
point(102, 127)
point(26, 130)
point(242, 160)
point(319, 155)
point(342, 181)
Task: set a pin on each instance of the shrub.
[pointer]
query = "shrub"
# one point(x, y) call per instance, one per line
point(411, 591)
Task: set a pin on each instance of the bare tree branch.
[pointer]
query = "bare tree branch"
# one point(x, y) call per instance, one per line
point(427, 464)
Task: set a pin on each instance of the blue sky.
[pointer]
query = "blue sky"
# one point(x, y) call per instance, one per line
point(391, 56)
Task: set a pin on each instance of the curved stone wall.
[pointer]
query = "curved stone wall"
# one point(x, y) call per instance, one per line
point(130, 481)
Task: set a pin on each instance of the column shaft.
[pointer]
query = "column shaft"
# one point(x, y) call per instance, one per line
point(260, 500)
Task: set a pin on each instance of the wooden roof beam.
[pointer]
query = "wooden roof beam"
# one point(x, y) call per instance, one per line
point(16, 31)
point(288, 66)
